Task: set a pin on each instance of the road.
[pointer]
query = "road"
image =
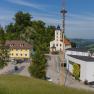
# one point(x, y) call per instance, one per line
point(53, 68)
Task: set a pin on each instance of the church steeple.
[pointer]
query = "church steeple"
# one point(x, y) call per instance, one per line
point(58, 27)
point(58, 34)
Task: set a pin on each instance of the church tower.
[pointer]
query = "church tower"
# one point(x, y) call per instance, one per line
point(58, 34)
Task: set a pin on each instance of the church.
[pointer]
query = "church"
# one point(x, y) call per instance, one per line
point(57, 44)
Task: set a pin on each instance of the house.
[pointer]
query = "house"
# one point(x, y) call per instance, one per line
point(57, 44)
point(86, 64)
point(18, 49)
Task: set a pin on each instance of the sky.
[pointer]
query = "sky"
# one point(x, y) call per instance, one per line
point(79, 19)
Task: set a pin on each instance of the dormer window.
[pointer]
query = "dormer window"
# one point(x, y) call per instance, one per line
point(11, 44)
point(21, 45)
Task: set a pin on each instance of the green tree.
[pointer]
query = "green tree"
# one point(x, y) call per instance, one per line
point(38, 67)
point(3, 49)
point(21, 21)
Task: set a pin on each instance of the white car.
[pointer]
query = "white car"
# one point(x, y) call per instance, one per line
point(49, 79)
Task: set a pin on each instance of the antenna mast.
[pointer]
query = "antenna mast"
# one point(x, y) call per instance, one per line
point(63, 12)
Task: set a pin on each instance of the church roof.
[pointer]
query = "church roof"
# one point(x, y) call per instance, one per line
point(58, 27)
point(66, 42)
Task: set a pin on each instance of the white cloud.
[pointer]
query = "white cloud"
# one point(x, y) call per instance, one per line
point(27, 4)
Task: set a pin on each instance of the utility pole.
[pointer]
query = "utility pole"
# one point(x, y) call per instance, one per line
point(63, 12)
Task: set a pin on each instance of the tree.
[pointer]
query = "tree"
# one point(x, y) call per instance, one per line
point(73, 44)
point(3, 49)
point(22, 19)
point(38, 67)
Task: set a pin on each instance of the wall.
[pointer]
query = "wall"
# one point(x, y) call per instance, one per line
point(16, 53)
point(82, 67)
point(90, 71)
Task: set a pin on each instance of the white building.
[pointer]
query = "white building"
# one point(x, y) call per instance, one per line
point(84, 60)
point(86, 64)
point(57, 44)
point(77, 51)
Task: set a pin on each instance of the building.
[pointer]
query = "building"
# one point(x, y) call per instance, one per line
point(86, 64)
point(57, 44)
point(19, 49)
point(85, 61)
point(77, 51)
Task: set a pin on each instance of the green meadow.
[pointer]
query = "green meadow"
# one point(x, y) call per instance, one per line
point(13, 84)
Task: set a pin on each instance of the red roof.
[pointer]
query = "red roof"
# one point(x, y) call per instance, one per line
point(66, 42)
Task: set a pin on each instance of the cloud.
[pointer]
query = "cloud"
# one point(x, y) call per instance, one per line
point(27, 4)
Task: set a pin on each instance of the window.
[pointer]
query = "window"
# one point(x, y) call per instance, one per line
point(25, 54)
point(12, 54)
point(60, 44)
point(16, 54)
point(21, 45)
point(56, 44)
point(21, 54)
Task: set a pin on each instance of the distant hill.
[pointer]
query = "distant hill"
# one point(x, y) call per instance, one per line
point(84, 43)
point(24, 85)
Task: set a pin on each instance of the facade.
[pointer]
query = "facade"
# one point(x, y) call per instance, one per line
point(86, 66)
point(19, 49)
point(57, 44)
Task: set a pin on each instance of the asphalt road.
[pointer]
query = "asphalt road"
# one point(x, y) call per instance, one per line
point(53, 68)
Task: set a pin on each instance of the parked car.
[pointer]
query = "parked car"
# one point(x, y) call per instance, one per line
point(16, 68)
point(49, 79)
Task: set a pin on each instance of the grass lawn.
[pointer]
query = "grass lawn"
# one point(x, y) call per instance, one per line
point(13, 84)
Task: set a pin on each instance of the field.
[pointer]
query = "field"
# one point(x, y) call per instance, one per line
point(13, 84)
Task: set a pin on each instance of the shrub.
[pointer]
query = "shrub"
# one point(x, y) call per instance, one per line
point(76, 71)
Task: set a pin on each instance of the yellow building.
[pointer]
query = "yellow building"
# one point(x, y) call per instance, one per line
point(19, 49)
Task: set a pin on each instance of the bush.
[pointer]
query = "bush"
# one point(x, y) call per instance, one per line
point(76, 71)
point(2, 64)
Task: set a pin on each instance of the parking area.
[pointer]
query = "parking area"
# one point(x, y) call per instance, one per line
point(13, 68)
